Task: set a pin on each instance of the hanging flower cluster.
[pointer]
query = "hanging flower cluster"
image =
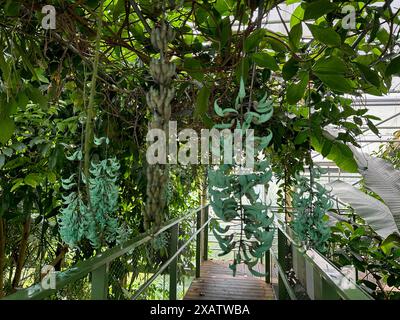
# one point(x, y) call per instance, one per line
point(90, 216)
point(234, 196)
point(159, 100)
point(310, 203)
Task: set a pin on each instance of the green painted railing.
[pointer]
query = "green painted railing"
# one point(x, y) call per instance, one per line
point(320, 277)
point(98, 266)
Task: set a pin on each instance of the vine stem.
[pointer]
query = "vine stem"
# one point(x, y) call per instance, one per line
point(90, 107)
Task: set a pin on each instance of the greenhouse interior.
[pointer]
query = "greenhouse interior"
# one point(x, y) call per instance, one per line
point(199, 150)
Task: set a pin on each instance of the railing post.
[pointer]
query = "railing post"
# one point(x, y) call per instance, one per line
point(205, 244)
point(198, 244)
point(267, 257)
point(267, 267)
point(282, 260)
point(173, 275)
point(100, 283)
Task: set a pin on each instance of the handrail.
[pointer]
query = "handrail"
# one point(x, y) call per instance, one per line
point(168, 262)
point(83, 268)
point(285, 280)
point(334, 278)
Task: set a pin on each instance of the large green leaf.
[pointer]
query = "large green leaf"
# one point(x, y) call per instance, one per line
point(33, 179)
point(265, 60)
point(369, 75)
point(295, 91)
point(336, 82)
point(326, 35)
point(297, 16)
point(316, 9)
point(295, 35)
point(330, 65)
point(254, 39)
point(338, 153)
point(393, 67)
point(290, 69)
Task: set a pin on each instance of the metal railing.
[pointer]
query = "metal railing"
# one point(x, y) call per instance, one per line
point(97, 267)
point(321, 279)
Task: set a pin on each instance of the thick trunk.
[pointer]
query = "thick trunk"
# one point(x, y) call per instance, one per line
point(22, 253)
point(2, 255)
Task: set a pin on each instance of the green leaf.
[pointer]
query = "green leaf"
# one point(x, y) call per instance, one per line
point(327, 35)
point(225, 33)
point(16, 184)
point(372, 127)
point(7, 126)
point(265, 60)
point(202, 101)
point(393, 67)
point(331, 65)
point(369, 75)
point(295, 35)
point(40, 75)
point(33, 180)
point(390, 242)
point(119, 8)
point(339, 153)
point(316, 9)
point(301, 137)
point(254, 39)
point(4, 66)
point(326, 148)
point(336, 82)
point(297, 16)
point(296, 91)
point(290, 69)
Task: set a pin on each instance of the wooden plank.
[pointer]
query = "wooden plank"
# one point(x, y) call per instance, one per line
point(217, 283)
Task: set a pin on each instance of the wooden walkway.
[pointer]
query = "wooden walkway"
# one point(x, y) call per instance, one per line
point(217, 283)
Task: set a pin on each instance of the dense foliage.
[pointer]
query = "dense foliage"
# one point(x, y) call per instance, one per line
point(89, 78)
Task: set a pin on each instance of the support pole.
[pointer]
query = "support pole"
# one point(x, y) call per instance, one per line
point(205, 245)
point(100, 283)
point(198, 244)
point(282, 260)
point(173, 274)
